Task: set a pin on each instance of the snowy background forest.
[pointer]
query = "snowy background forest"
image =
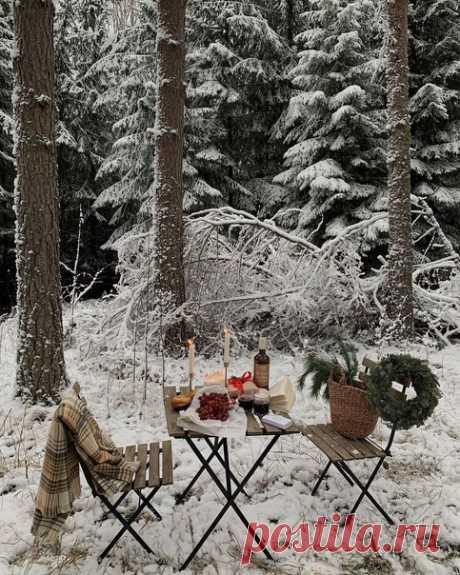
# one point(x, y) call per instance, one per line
point(285, 120)
point(286, 169)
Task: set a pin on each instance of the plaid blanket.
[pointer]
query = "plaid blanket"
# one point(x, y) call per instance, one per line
point(74, 433)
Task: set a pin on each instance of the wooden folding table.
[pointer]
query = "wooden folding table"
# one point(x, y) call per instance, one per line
point(220, 452)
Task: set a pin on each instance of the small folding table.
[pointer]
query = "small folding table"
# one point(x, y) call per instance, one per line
point(219, 451)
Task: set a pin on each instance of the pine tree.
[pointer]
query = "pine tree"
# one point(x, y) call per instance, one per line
point(235, 92)
point(82, 31)
point(6, 152)
point(126, 174)
point(335, 124)
point(435, 109)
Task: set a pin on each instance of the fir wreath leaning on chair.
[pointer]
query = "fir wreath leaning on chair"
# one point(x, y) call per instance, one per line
point(396, 408)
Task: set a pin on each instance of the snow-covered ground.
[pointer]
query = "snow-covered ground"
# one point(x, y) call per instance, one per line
point(420, 486)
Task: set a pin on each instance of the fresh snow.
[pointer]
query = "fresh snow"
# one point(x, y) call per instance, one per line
point(421, 484)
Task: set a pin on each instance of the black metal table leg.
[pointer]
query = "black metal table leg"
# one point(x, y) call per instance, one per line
point(219, 457)
point(230, 499)
point(228, 479)
point(214, 452)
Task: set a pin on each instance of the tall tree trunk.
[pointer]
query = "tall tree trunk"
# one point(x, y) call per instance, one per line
point(169, 142)
point(40, 358)
point(400, 261)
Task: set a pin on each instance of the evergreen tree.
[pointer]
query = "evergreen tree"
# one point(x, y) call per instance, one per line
point(126, 174)
point(435, 109)
point(335, 124)
point(7, 271)
point(235, 92)
point(83, 131)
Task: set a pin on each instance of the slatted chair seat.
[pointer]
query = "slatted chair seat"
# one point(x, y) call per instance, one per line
point(339, 448)
point(341, 451)
point(155, 470)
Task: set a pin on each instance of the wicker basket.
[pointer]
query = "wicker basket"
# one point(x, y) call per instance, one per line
point(351, 413)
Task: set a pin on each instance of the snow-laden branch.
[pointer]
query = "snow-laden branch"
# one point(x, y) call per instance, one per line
point(230, 217)
point(254, 274)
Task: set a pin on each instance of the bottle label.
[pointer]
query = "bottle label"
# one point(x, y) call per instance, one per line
point(262, 374)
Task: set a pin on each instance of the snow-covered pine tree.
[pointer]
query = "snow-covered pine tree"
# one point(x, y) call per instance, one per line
point(82, 30)
point(435, 109)
point(6, 82)
point(335, 123)
point(236, 91)
point(126, 174)
point(285, 18)
point(7, 271)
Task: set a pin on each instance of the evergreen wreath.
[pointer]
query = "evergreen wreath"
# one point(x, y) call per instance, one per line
point(392, 407)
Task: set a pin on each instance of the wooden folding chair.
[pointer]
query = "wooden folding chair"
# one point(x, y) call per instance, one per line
point(155, 470)
point(341, 451)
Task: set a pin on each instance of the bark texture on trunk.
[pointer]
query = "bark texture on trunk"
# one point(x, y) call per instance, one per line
point(40, 359)
point(400, 261)
point(169, 142)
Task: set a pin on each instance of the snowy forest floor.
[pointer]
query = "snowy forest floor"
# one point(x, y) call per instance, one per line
point(420, 486)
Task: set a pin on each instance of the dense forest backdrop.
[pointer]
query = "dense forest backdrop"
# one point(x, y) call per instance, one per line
point(285, 114)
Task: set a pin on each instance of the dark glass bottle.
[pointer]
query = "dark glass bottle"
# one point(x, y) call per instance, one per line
point(262, 365)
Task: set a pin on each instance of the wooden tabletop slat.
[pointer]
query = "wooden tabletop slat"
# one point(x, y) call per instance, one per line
point(154, 465)
point(167, 461)
point(140, 479)
point(253, 426)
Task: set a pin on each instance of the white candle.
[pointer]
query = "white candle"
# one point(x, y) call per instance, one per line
point(191, 358)
point(226, 346)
